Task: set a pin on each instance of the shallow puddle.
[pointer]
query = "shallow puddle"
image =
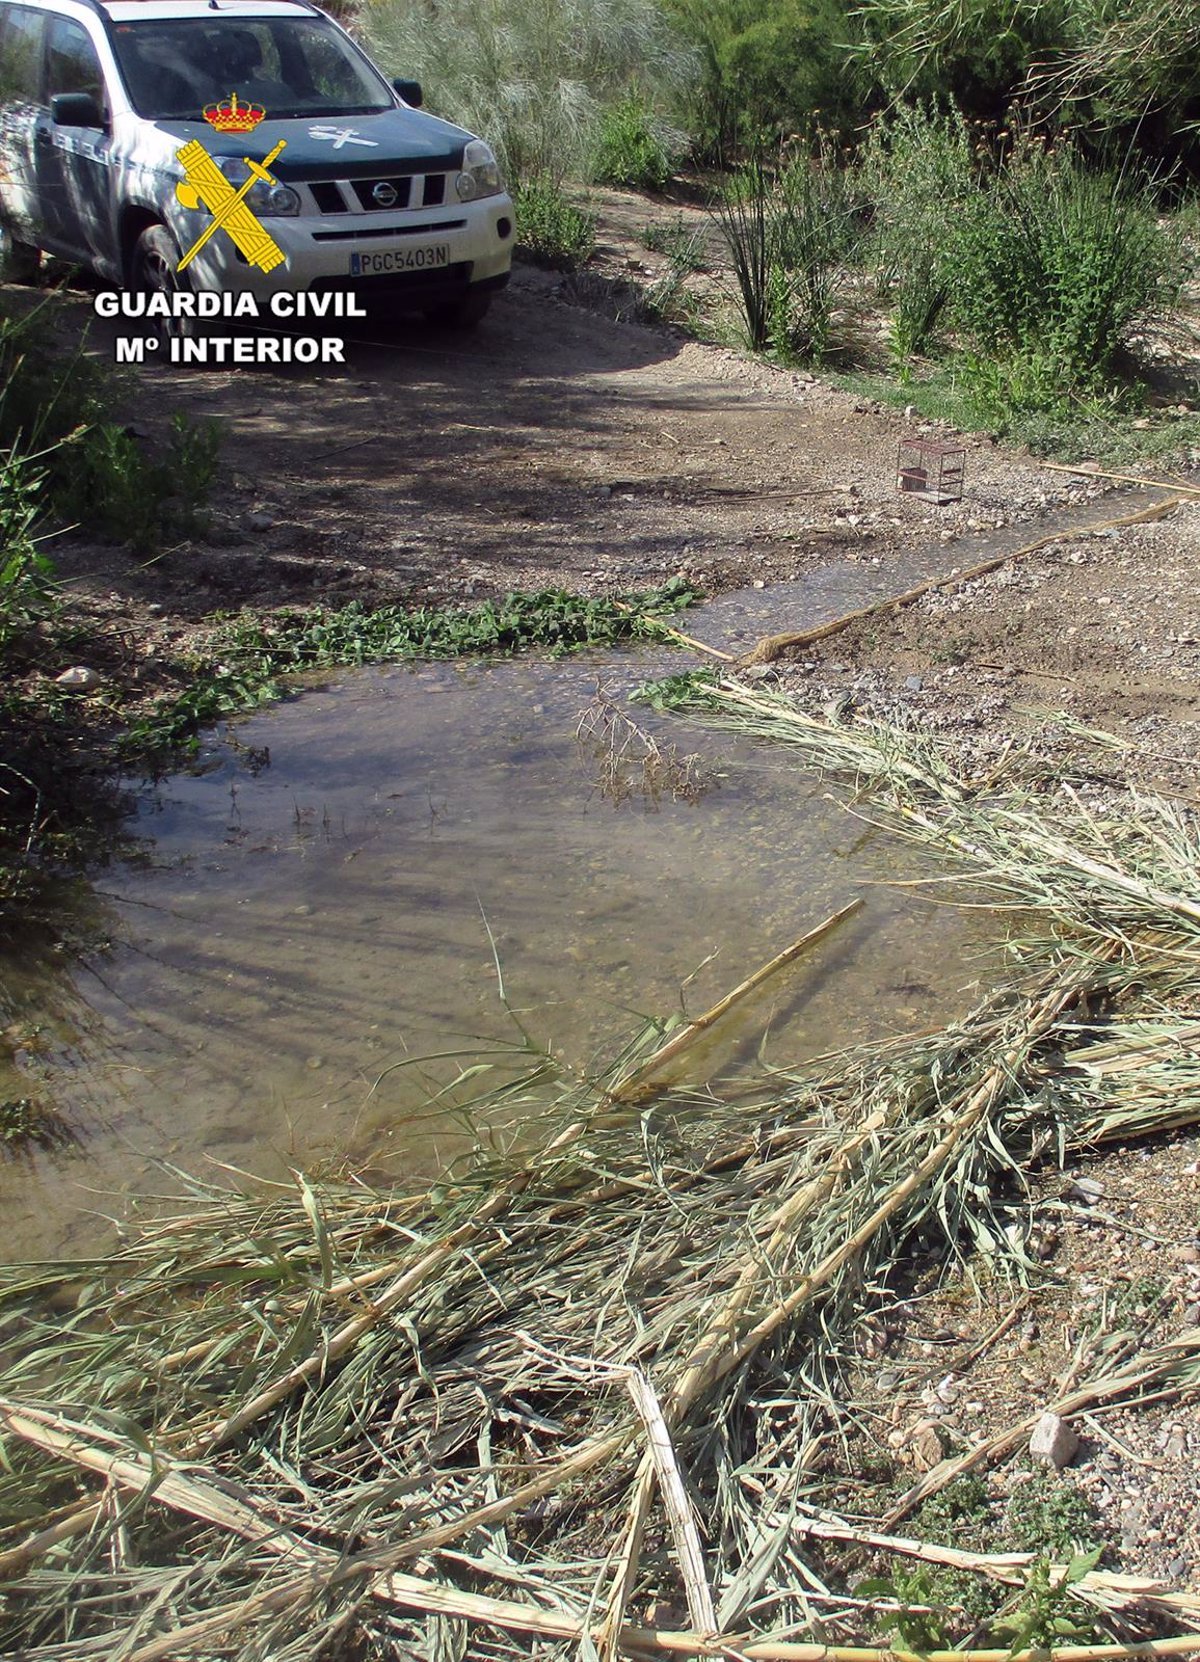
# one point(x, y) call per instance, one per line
point(300, 929)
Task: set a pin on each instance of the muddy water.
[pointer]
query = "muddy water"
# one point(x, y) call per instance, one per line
point(300, 930)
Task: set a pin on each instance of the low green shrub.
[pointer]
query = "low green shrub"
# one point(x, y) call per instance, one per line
point(1056, 267)
point(635, 150)
point(551, 230)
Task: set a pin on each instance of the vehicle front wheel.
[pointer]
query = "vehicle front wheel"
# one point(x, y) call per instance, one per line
point(465, 313)
point(20, 262)
point(155, 270)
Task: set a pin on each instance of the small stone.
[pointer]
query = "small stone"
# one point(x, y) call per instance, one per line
point(79, 679)
point(928, 1444)
point(1177, 1569)
point(1086, 1189)
point(260, 522)
point(1053, 1443)
point(1188, 1254)
point(887, 1379)
point(1191, 1316)
point(913, 683)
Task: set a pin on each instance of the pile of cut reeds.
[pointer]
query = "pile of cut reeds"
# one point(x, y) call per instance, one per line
point(572, 1402)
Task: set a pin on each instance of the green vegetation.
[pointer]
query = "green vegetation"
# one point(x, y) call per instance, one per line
point(252, 656)
point(551, 230)
point(536, 77)
point(791, 235)
point(771, 72)
point(57, 402)
point(1047, 1513)
point(635, 150)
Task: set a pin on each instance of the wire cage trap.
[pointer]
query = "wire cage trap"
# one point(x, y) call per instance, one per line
point(931, 468)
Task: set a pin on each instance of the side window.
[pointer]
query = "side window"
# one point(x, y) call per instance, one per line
point(21, 31)
point(71, 61)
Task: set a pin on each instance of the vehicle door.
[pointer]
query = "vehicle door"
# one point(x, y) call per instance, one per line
point(73, 162)
point(21, 33)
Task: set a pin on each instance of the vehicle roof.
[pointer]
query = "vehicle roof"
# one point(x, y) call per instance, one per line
point(133, 11)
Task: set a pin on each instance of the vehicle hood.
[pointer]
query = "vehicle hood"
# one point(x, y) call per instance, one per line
point(390, 143)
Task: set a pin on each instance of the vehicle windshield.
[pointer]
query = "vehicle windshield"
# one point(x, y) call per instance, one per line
point(292, 66)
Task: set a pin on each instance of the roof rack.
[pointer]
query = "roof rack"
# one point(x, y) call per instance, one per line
point(101, 6)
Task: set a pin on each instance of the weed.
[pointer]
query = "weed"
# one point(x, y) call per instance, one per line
point(635, 150)
point(920, 1619)
point(26, 1124)
point(683, 244)
point(26, 575)
point(958, 1515)
point(674, 692)
point(791, 236)
point(1047, 1513)
point(1043, 1613)
point(551, 230)
point(1056, 267)
point(916, 169)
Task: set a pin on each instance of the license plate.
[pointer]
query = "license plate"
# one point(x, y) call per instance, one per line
point(384, 262)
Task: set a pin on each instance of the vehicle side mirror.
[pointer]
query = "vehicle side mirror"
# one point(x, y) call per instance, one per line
point(411, 92)
point(75, 109)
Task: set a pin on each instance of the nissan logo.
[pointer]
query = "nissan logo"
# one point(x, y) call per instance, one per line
point(385, 195)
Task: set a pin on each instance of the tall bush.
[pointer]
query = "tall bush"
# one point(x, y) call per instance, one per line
point(772, 72)
point(534, 77)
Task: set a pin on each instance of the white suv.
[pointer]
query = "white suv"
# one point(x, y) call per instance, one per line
point(366, 193)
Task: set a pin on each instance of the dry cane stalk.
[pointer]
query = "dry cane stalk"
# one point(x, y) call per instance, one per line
point(679, 1042)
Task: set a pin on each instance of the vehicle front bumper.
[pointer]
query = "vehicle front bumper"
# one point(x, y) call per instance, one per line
point(318, 252)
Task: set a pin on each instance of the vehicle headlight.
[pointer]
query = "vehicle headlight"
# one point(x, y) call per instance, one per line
point(281, 201)
point(480, 175)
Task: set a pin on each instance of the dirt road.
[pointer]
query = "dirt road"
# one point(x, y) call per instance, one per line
point(553, 447)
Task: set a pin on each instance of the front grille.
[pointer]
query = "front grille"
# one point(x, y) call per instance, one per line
point(328, 197)
point(421, 190)
point(388, 231)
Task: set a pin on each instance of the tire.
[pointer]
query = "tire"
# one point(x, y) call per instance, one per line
point(466, 313)
point(154, 269)
point(20, 262)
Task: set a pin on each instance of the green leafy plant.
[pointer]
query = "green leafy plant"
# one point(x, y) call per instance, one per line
point(1044, 1613)
point(916, 169)
point(1049, 1514)
point(920, 1621)
point(551, 230)
point(1056, 268)
point(635, 150)
point(251, 657)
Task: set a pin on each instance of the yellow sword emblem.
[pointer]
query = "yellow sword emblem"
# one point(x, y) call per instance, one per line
point(205, 183)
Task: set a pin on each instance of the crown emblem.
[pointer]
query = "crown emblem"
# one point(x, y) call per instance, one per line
point(234, 115)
